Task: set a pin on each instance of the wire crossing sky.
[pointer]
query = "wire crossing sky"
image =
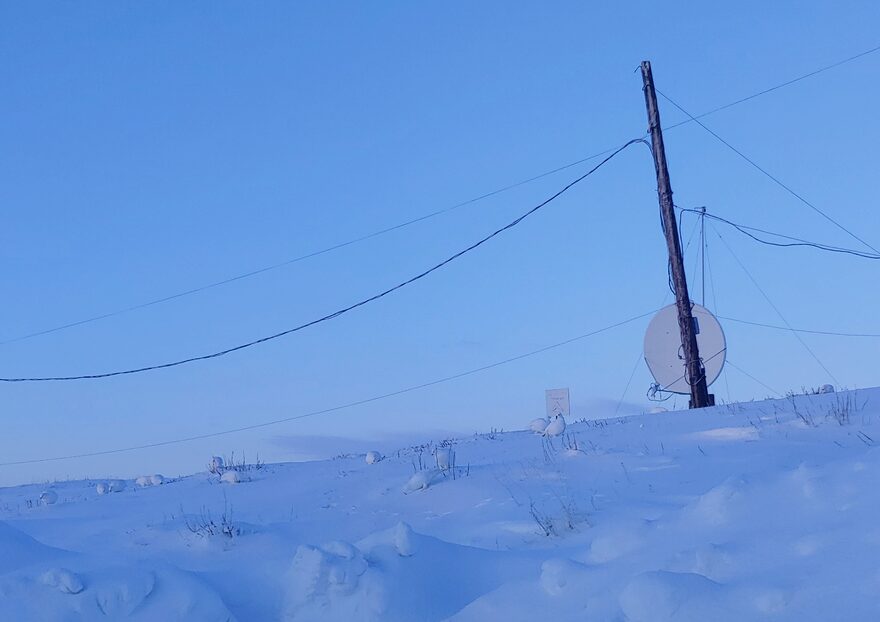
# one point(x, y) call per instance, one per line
point(344, 310)
point(369, 236)
point(230, 168)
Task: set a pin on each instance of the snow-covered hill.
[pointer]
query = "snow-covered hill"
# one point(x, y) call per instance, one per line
point(759, 511)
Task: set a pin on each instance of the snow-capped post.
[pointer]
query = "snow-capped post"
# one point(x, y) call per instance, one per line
point(696, 377)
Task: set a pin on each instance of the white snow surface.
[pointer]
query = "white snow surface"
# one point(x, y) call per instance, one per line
point(759, 511)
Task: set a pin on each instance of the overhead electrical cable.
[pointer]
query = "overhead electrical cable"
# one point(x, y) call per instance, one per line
point(715, 307)
point(773, 306)
point(779, 86)
point(747, 374)
point(413, 221)
point(332, 409)
point(770, 176)
point(800, 330)
point(344, 310)
point(300, 258)
point(794, 240)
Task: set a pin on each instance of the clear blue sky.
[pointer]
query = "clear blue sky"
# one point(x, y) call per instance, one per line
point(153, 147)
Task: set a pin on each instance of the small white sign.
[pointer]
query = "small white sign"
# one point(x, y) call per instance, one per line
point(557, 402)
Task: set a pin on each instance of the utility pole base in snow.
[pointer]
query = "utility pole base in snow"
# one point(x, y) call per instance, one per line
point(711, 397)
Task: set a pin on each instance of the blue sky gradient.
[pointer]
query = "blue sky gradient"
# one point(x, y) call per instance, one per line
point(154, 147)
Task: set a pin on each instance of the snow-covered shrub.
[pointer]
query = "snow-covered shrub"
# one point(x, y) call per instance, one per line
point(102, 488)
point(116, 485)
point(65, 581)
point(204, 525)
point(156, 479)
point(216, 465)
point(445, 458)
point(539, 425)
point(845, 404)
point(48, 497)
point(143, 481)
point(373, 457)
point(230, 463)
point(553, 520)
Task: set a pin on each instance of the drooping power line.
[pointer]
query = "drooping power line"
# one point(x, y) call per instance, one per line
point(832, 333)
point(795, 241)
point(418, 219)
point(339, 312)
point(779, 86)
point(774, 307)
point(323, 251)
point(769, 175)
point(333, 409)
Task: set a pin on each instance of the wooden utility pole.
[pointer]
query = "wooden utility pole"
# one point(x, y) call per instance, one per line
point(695, 374)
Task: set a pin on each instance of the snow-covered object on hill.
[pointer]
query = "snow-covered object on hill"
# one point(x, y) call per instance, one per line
point(65, 581)
point(48, 497)
point(143, 481)
point(102, 488)
point(420, 480)
point(216, 465)
point(443, 456)
point(826, 388)
point(97, 592)
point(556, 426)
point(156, 479)
point(669, 517)
point(394, 575)
point(539, 425)
point(373, 457)
point(231, 477)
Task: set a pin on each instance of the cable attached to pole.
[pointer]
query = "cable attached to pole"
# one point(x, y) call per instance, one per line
point(770, 176)
point(701, 211)
point(339, 312)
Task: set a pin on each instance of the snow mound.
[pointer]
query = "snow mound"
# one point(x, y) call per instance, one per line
point(557, 575)
point(48, 497)
point(326, 583)
point(400, 538)
point(66, 581)
point(616, 541)
point(394, 575)
point(662, 596)
point(110, 593)
point(717, 506)
point(373, 457)
point(421, 480)
point(17, 549)
point(231, 477)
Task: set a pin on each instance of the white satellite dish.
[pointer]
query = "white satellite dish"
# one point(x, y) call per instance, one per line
point(663, 351)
